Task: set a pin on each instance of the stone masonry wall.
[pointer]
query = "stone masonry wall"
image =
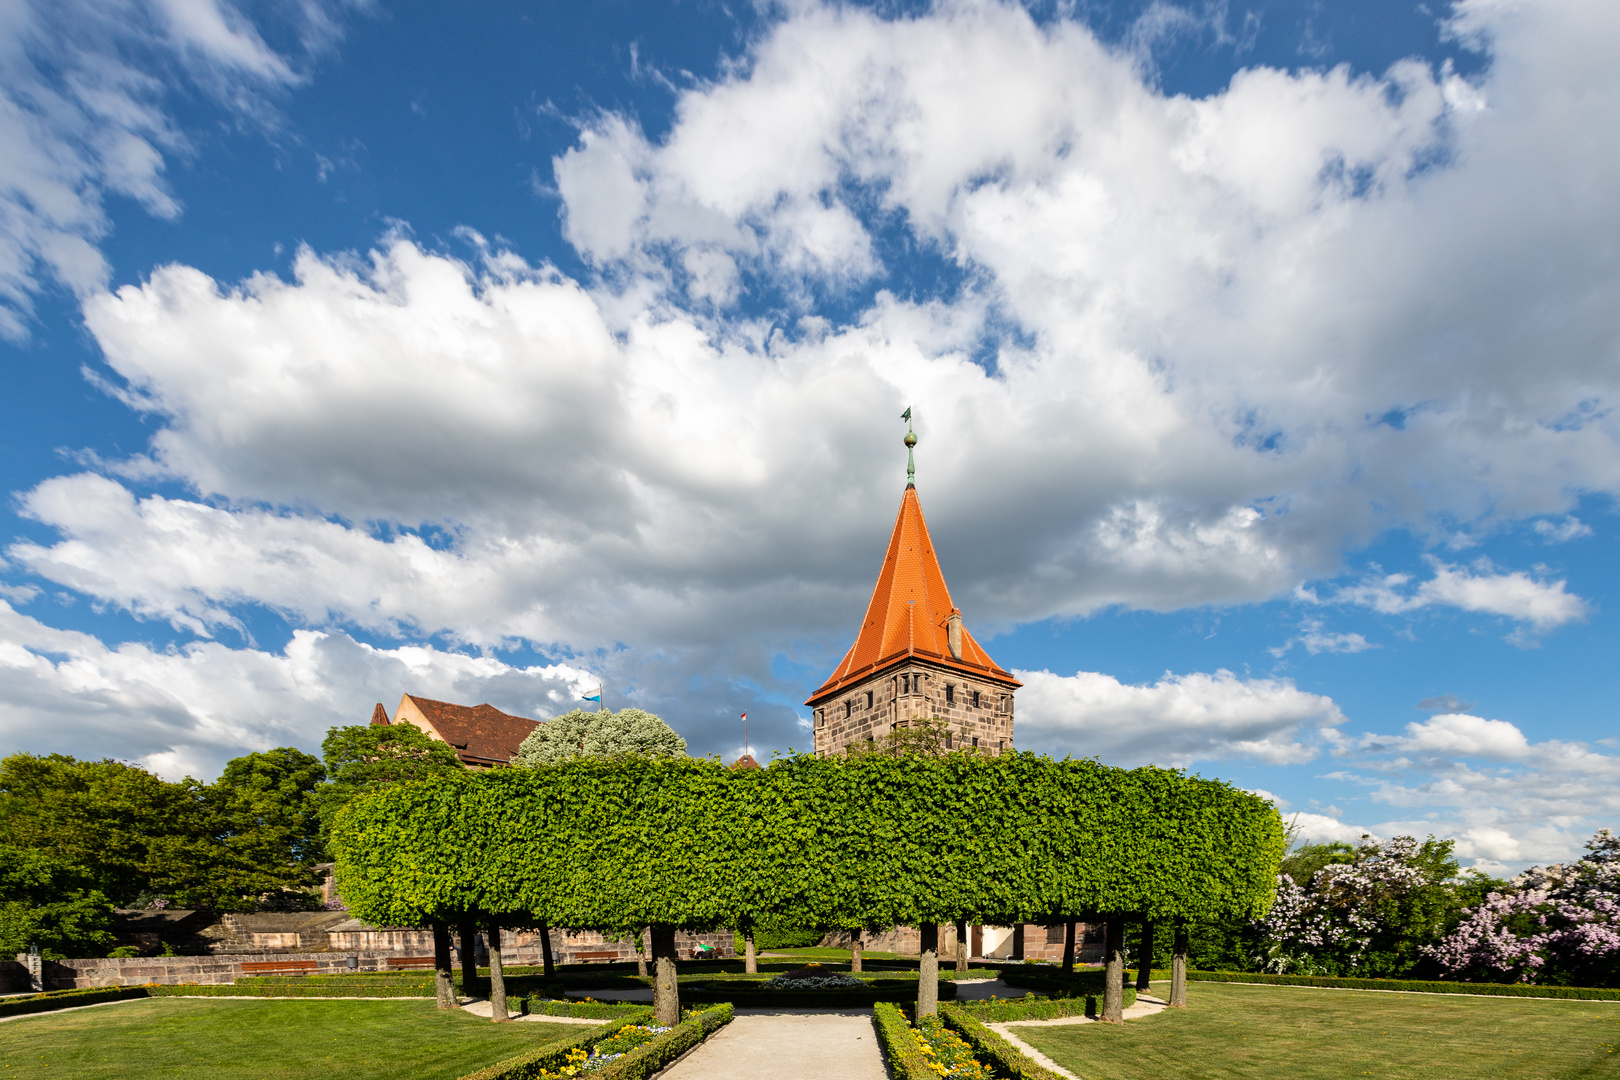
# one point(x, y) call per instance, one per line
point(849, 718)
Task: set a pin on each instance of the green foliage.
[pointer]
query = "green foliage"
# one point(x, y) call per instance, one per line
point(1415, 986)
point(52, 1000)
point(925, 736)
point(748, 993)
point(47, 901)
point(364, 757)
point(131, 837)
point(1004, 1058)
point(626, 733)
point(1303, 862)
point(640, 1063)
point(1000, 1010)
point(901, 1051)
point(538, 1005)
point(784, 938)
point(867, 841)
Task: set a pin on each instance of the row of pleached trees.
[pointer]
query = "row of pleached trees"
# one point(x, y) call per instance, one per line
point(855, 843)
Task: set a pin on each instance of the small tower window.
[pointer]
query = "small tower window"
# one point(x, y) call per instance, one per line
point(975, 741)
point(848, 708)
point(947, 740)
point(950, 695)
point(975, 699)
point(869, 699)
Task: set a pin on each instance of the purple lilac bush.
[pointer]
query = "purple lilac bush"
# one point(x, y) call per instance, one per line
point(1557, 924)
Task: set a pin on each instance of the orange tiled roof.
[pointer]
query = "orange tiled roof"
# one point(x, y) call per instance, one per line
point(480, 734)
point(906, 618)
point(379, 716)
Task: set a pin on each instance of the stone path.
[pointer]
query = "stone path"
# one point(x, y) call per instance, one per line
point(806, 1044)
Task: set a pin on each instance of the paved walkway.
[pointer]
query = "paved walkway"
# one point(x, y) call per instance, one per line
point(806, 1044)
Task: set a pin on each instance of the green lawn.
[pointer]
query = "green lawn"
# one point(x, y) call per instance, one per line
point(1299, 1033)
point(198, 1038)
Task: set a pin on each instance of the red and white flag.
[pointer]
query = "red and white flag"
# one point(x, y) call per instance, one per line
point(745, 716)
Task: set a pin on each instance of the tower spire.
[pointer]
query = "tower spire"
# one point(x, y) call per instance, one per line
point(910, 440)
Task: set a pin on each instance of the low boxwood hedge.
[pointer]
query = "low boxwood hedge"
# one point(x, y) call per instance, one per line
point(901, 1050)
point(638, 1064)
point(1004, 1059)
point(1001, 1011)
point(67, 999)
point(1411, 986)
point(739, 992)
point(579, 1010)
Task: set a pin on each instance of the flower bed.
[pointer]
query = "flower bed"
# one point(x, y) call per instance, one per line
point(813, 977)
point(869, 992)
point(1005, 1058)
point(632, 1051)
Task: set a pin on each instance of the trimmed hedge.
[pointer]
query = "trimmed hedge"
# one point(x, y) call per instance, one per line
point(654, 1056)
point(1054, 982)
point(739, 993)
point(1033, 1008)
point(68, 999)
point(1411, 986)
point(256, 988)
point(552, 1056)
point(579, 1010)
point(1004, 1059)
point(901, 1050)
point(638, 1064)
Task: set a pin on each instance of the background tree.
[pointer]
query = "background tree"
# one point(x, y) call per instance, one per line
point(365, 757)
point(628, 732)
point(48, 901)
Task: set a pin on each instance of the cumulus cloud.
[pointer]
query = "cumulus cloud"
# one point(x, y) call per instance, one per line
point(1543, 605)
point(83, 116)
point(187, 711)
point(1325, 829)
point(1176, 721)
point(1516, 801)
point(1194, 351)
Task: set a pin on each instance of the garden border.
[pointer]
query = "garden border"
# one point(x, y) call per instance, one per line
point(1407, 986)
point(638, 1064)
point(1003, 1057)
point(51, 1000)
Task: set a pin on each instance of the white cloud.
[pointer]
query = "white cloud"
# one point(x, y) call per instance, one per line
point(1316, 640)
point(1544, 605)
point(83, 116)
point(1562, 532)
point(1455, 734)
point(1175, 721)
point(1324, 829)
point(181, 711)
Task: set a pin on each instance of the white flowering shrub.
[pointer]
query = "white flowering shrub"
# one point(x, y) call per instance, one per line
point(1370, 916)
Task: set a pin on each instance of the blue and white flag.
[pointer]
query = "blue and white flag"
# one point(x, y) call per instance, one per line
point(596, 697)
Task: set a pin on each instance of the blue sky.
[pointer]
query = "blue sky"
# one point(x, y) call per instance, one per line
point(1263, 357)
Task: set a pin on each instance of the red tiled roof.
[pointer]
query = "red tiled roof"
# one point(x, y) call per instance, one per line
point(745, 762)
point(379, 715)
point(907, 616)
point(480, 734)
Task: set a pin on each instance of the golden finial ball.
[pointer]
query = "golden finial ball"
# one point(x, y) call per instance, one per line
point(911, 439)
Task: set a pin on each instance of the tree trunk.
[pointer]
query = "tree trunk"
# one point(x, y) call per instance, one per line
point(1178, 968)
point(961, 945)
point(497, 975)
point(750, 954)
point(666, 989)
point(469, 958)
point(1068, 947)
point(443, 983)
point(1144, 963)
point(643, 947)
point(855, 951)
point(545, 950)
point(928, 971)
point(1114, 974)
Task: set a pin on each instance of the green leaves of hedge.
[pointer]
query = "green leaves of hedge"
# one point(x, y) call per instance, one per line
point(868, 841)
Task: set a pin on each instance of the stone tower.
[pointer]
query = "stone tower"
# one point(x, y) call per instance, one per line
point(913, 659)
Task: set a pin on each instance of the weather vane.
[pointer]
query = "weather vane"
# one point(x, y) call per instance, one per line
point(910, 441)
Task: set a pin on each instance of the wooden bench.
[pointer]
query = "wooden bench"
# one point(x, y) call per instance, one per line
point(588, 957)
point(279, 967)
point(410, 961)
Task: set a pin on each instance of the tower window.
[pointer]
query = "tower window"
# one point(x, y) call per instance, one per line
point(869, 699)
point(975, 699)
point(950, 695)
point(975, 740)
point(905, 684)
point(947, 740)
point(848, 708)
